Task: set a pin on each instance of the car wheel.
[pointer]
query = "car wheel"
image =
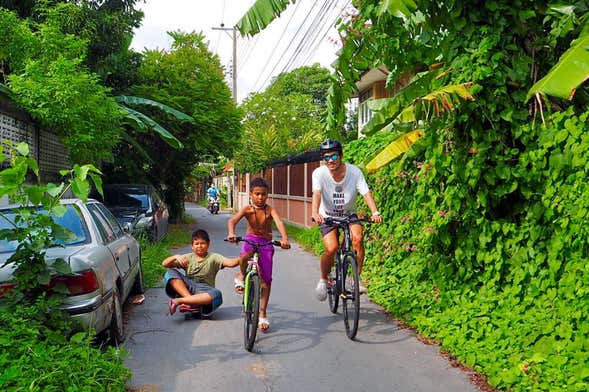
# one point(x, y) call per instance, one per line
point(138, 284)
point(116, 330)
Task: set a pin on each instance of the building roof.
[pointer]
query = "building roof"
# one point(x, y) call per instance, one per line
point(371, 76)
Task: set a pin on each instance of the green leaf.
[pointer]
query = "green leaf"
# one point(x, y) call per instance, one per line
point(81, 188)
point(130, 100)
point(571, 70)
point(97, 183)
point(23, 149)
point(164, 133)
point(54, 190)
point(62, 266)
point(398, 8)
point(260, 15)
point(59, 210)
point(44, 278)
point(393, 150)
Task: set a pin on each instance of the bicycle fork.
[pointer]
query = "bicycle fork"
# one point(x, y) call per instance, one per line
point(252, 269)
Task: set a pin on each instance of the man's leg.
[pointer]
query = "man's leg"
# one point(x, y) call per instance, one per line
point(357, 235)
point(330, 243)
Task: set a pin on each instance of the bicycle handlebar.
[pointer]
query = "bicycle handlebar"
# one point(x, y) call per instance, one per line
point(254, 244)
point(344, 220)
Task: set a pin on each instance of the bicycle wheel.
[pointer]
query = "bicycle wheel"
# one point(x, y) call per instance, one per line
point(332, 288)
point(252, 312)
point(351, 299)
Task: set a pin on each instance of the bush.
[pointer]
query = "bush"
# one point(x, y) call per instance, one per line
point(34, 357)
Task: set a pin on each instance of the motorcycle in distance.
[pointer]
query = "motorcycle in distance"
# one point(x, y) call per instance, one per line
point(213, 204)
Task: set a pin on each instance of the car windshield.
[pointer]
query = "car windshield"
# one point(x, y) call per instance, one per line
point(72, 221)
point(126, 198)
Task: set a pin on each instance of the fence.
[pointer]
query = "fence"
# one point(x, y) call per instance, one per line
point(290, 191)
point(17, 126)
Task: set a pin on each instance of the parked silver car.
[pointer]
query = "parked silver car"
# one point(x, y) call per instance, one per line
point(104, 259)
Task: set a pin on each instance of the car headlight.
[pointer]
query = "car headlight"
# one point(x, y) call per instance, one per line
point(144, 222)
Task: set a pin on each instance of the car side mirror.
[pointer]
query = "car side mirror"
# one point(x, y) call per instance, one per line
point(127, 227)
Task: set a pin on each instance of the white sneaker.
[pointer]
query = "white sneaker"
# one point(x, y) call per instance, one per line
point(321, 290)
point(362, 289)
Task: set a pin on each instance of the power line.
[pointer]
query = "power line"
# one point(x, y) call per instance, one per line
point(312, 36)
point(303, 42)
point(329, 26)
point(288, 46)
point(278, 42)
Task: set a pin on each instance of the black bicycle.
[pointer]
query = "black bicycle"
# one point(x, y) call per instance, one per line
point(251, 294)
point(343, 281)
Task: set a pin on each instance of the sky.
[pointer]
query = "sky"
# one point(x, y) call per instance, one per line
point(276, 49)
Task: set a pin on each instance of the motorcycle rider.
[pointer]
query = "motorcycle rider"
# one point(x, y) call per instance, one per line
point(213, 194)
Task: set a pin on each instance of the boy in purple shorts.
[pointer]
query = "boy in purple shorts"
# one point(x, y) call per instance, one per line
point(259, 216)
point(196, 287)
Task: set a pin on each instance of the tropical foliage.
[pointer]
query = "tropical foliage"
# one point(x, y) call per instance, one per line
point(189, 78)
point(484, 247)
point(39, 350)
point(284, 119)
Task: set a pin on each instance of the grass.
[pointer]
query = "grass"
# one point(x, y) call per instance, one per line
point(309, 239)
point(152, 254)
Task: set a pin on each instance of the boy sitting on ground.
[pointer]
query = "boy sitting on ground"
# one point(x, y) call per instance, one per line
point(196, 288)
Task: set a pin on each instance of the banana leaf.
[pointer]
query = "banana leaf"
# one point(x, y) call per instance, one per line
point(260, 15)
point(393, 150)
point(141, 120)
point(568, 74)
point(398, 8)
point(130, 100)
point(386, 110)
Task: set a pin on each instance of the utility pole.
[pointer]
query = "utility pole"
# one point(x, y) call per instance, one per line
point(232, 188)
point(234, 66)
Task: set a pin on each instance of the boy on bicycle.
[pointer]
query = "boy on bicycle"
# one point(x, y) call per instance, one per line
point(259, 217)
point(197, 286)
point(335, 188)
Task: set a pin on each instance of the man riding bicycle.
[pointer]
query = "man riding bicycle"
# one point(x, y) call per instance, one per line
point(335, 188)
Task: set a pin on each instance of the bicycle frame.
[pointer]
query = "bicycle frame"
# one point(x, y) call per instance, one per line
point(345, 264)
point(252, 269)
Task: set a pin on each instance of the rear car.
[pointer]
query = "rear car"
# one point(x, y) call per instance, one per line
point(137, 206)
point(105, 264)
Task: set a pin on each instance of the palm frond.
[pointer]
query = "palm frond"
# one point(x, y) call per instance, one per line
point(260, 15)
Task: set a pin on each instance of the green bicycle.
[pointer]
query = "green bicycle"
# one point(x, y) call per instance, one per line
point(251, 294)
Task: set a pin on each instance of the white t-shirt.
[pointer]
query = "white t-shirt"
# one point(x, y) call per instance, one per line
point(339, 198)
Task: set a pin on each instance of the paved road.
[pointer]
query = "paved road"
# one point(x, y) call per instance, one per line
point(306, 350)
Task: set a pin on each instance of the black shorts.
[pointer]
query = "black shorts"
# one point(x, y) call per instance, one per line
point(326, 229)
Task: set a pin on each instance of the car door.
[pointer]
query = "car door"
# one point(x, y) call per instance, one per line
point(115, 240)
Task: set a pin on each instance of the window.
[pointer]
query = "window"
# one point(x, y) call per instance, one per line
point(72, 221)
point(104, 228)
point(118, 232)
point(364, 114)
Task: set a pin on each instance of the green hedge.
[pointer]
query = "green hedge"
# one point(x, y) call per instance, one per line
point(485, 246)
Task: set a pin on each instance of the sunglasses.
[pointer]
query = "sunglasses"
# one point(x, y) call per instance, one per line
point(332, 157)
